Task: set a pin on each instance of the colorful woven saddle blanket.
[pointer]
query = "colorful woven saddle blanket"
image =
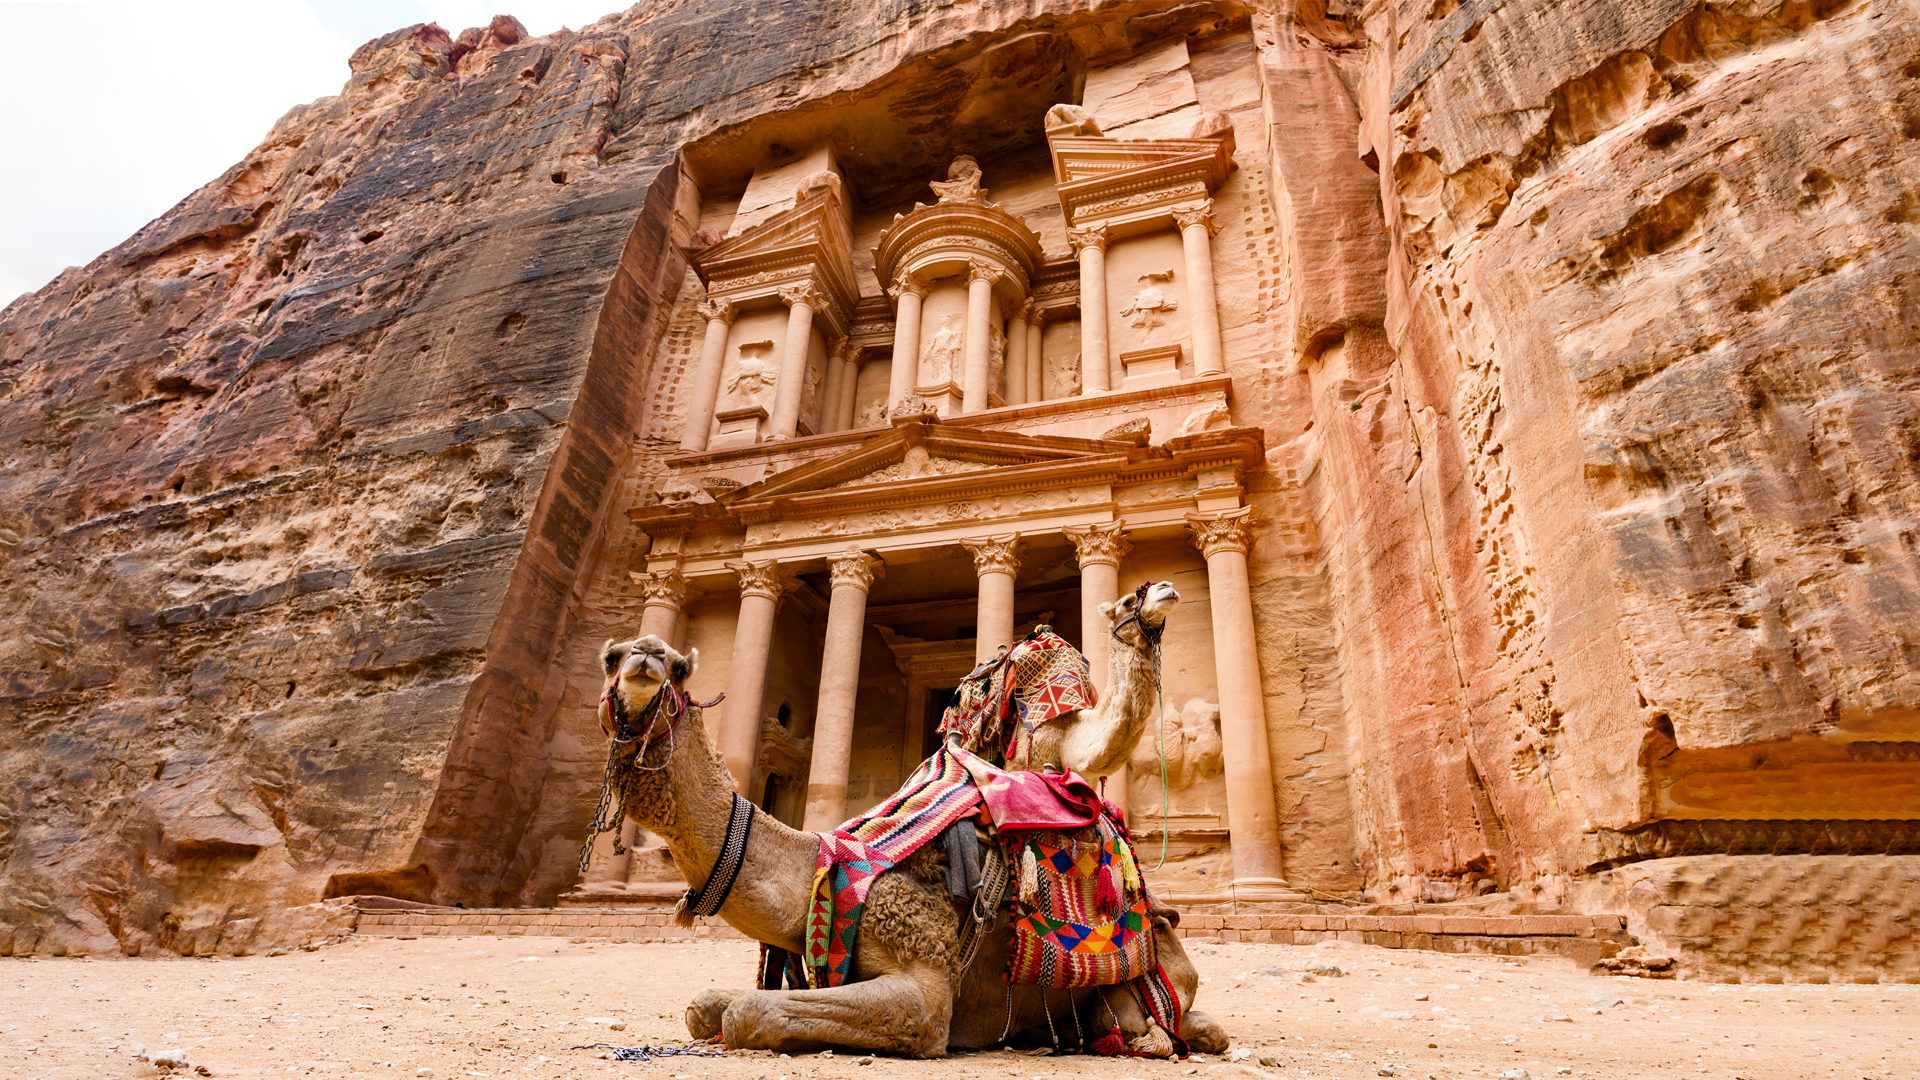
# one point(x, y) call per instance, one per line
point(1020, 688)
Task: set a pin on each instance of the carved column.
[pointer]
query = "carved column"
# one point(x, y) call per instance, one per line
point(996, 559)
point(974, 382)
point(907, 293)
point(1099, 549)
point(706, 381)
point(1223, 538)
point(849, 402)
point(802, 302)
point(1091, 245)
point(761, 584)
point(853, 574)
point(1203, 313)
point(828, 402)
point(1016, 377)
point(667, 594)
point(1036, 360)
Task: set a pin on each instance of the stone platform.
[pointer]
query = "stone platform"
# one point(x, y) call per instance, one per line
point(1587, 939)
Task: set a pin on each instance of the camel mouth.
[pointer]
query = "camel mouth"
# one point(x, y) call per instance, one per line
point(1160, 599)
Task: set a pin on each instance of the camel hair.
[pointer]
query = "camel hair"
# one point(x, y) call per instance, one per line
point(1097, 742)
point(905, 996)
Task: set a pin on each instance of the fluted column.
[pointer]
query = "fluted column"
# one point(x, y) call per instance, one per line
point(853, 575)
point(1203, 312)
point(1099, 549)
point(974, 378)
point(761, 584)
point(667, 594)
point(907, 293)
point(1091, 245)
point(1036, 360)
point(802, 302)
point(1016, 375)
point(1255, 831)
point(996, 559)
point(706, 381)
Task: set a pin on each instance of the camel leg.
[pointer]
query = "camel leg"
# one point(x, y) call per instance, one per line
point(902, 1012)
point(706, 1009)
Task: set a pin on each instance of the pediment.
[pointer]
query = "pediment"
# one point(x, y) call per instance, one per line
point(1099, 177)
point(811, 237)
point(920, 453)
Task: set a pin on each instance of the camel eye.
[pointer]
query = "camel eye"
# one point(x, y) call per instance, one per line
point(612, 660)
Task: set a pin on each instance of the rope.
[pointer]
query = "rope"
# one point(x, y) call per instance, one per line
point(648, 1053)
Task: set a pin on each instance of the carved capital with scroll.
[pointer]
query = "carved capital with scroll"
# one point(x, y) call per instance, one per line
point(980, 270)
point(803, 294)
point(855, 569)
point(1093, 236)
point(1102, 542)
point(760, 578)
point(1228, 530)
point(1201, 215)
point(665, 588)
point(995, 554)
point(718, 311)
point(908, 283)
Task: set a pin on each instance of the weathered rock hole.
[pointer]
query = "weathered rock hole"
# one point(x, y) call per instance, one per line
point(1472, 32)
point(1854, 557)
point(559, 177)
point(1539, 218)
point(1910, 126)
point(1661, 136)
point(1906, 209)
point(1758, 295)
point(290, 690)
point(1746, 622)
point(371, 235)
point(511, 325)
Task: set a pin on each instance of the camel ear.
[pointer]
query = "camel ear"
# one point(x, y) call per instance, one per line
point(1107, 611)
point(609, 656)
point(684, 668)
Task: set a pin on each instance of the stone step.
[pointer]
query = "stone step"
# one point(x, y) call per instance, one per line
point(1585, 938)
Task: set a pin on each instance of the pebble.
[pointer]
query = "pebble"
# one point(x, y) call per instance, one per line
point(1239, 1055)
point(1324, 967)
point(423, 1071)
point(1396, 1016)
point(1419, 997)
point(1516, 1074)
point(868, 1060)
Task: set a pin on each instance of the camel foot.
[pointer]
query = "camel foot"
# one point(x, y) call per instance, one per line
point(1203, 1033)
point(706, 1009)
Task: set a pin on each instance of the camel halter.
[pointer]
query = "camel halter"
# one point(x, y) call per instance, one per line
point(672, 703)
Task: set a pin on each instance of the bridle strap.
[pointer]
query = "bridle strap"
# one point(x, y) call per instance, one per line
point(707, 899)
point(1151, 635)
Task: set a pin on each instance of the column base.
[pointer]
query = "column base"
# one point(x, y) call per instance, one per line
point(1266, 890)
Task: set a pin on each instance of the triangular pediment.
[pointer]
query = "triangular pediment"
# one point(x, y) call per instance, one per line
point(1103, 179)
point(921, 452)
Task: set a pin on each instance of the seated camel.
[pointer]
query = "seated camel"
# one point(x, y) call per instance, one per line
point(909, 993)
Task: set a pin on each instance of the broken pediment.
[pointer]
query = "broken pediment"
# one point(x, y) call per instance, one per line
point(808, 244)
point(1118, 181)
point(920, 452)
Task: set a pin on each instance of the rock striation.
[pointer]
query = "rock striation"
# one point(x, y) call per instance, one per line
point(1580, 338)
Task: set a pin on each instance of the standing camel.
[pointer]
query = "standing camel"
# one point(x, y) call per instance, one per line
point(908, 994)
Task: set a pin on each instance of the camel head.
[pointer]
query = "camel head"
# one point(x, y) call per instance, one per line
point(1151, 603)
point(636, 670)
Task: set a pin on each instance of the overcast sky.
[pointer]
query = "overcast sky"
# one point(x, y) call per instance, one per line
point(112, 112)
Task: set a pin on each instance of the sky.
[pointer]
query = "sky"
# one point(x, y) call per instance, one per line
point(110, 113)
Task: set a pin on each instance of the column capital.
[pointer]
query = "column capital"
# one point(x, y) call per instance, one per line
point(795, 295)
point(982, 270)
point(761, 578)
point(1025, 313)
point(1100, 542)
point(995, 554)
point(1227, 530)
point(1201, 215)
point(1093, 236)
point(665, 588)
point(856, 569)
point(908, 283)
point(718, 310)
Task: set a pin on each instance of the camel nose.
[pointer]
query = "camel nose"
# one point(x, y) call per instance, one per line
point(1165, 591)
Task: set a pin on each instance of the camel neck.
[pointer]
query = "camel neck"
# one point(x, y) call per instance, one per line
point(688, 805)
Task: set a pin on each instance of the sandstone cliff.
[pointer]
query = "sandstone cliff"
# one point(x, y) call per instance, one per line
point(1587, 349)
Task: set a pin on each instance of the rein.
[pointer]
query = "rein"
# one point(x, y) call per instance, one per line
point(673, 703)
point(1152, 651)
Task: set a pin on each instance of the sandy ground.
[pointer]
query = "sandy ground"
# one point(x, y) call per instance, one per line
point(492, 1007)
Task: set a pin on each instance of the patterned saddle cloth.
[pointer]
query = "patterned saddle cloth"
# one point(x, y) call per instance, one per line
point(1020, 688)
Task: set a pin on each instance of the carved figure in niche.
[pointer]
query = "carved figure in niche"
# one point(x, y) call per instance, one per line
point(753, 375)
point(963, 182)
point(940, 360)
point(1149, 308)
point(1193, 748)
point(996, 354)
point(872, 414)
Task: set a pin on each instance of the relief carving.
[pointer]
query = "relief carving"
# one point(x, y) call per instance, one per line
point(962, 183)
point(753, 376)
point(941, 357)
point(1148, 311)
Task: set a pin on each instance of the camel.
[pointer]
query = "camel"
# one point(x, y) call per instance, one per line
point(1097, 742)
point(908, 994)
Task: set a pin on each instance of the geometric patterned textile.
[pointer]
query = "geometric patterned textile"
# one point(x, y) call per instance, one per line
point(1083, 907)
point(1040, 678)
point(940, 792)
